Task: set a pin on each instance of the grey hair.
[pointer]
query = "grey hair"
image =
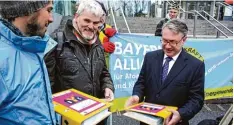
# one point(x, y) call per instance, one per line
point(90, 5)
point(176, 26)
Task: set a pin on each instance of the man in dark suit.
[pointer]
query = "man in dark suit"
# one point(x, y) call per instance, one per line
point(171, 76)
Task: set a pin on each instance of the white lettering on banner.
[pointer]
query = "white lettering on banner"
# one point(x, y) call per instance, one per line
point(118, 64)
point(128, 64)
point(128, 49)
point(127, 76)
point(121, 86)
point(218, 64)
point(152, 47)
point(146, 49)
point(118, 48)
point(134, 49)
point(131, 84)
point(118, 77)
point(125, 85)
point(138, 48)
point(131, 76)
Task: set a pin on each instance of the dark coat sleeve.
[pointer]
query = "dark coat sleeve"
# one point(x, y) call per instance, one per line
point(51, 66)
point(105, 78)
point(158, 31)
point(196, 95)
point(50, 61)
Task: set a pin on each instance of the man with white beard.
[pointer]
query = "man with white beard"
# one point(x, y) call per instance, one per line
point(80, 64)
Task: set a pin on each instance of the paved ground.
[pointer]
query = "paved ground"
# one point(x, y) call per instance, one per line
point(210, 111)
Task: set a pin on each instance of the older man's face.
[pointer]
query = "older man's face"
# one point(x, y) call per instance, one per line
point(88, 24)
point(172, 42)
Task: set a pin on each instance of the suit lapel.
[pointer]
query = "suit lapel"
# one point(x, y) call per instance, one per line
point(158, 69)
point(178, 66)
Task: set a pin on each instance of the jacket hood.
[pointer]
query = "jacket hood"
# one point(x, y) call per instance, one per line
point(33, 44)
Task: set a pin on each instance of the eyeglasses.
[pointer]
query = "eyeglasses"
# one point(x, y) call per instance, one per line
point(171, 42)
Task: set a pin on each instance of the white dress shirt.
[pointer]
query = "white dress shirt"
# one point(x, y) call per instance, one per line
point(171, 63)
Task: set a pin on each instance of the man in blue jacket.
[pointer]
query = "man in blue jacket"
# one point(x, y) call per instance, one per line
point(25, 94)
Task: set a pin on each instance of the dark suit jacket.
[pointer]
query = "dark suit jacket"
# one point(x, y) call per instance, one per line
point(183, 87)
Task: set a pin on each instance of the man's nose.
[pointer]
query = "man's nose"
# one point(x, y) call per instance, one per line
point(167, 45)
point(90, 25)
point(51, 19)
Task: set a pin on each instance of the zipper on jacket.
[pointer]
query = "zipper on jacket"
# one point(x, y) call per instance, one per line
point(45, 86)
point(89, 58)
point(92, 71)
point(89, 62)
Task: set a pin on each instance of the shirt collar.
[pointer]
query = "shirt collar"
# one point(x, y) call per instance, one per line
point(174, 57)
point(11, 27)
point(34, 44)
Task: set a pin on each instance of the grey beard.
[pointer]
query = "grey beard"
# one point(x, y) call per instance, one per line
point(83, 39)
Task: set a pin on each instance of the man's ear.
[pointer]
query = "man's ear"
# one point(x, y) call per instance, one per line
point(184, 39)
point(103, 19)
point(76, 15)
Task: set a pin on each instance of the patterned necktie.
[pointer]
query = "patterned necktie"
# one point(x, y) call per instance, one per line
point(165, 68)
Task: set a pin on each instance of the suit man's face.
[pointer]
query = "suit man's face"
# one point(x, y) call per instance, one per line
point(172, 42)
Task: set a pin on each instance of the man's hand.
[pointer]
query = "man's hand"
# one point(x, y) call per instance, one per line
point(109, 95)
point(108, 46)
point(174, 119)
point(131, 101)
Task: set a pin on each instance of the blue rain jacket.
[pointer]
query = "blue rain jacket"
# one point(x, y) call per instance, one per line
point(25, 92)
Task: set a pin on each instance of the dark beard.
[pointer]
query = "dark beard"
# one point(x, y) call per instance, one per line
point(33, 28)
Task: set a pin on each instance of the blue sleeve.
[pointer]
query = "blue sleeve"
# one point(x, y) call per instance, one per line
point(3, 90)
